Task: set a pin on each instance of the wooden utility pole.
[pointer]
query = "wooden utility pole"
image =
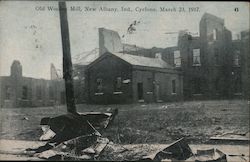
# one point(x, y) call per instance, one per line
point(67, 63)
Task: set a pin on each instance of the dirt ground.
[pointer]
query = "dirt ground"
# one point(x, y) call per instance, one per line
point(197, 121)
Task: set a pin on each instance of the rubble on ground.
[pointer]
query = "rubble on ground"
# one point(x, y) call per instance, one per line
point(78, 137)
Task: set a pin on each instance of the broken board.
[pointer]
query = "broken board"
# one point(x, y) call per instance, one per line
point(15, 149)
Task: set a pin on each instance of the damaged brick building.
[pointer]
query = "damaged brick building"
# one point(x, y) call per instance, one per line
point(125, 78)
point(208, 66)
point(17, 90)
point(212, 64)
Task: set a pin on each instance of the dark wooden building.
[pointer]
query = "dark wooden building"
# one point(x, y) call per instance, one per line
point(125, 78)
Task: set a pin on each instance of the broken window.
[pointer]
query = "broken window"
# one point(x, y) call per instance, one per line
point(7, 92)
point(150, 85)
point(99, 84)
point(173, 86)
point(51, 93)
point(236, 60)
point(39, 92)
point(118, 84)
point(215, 34)
point(196, 57)
point(216, 56)
point(237, 84)
point(177, 58)
point(25, 93)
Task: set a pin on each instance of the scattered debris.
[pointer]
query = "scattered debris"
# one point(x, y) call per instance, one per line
point(25, 118)
point(47, 133)
point(100, 120)
point(210, 155)
point(218, 128)
point(178, 150)
point(114, 152)
point(165, 106)
point(72, 135)
point(232, 137)
point(84, 148)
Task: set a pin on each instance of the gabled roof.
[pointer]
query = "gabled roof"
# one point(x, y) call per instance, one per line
point(86, 58)
point(143, 61)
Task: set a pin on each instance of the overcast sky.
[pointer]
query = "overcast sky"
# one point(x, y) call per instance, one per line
point(33, 36)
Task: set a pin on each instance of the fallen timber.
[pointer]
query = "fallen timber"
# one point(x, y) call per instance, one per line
point(133, 152)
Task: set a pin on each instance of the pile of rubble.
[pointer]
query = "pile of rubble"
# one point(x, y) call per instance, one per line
point(78, 137)
point(73, 136)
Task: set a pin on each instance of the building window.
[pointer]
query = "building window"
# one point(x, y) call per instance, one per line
point(237, 84)
point(236, 60)
point(39, 92)
point(215, 34)
point(51, 92)
point(216, 56)
point(7, 92)
point(196, 57)
point(150, 86)
point(177, 58)
point(197, 86)
point(99, 84)
point(25, 93)
point(118, 84)
point(173, 87)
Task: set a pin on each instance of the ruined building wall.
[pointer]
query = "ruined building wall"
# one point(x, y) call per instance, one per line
point(216, 42)
point(19, 91)
point(245, 53)
point(109, 41)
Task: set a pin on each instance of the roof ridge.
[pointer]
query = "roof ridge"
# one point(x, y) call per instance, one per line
point(142, 60)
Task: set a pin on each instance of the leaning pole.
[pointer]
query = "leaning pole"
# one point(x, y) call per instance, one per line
point(67, 63)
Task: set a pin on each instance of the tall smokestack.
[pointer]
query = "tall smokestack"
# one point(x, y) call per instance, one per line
point(67, 63)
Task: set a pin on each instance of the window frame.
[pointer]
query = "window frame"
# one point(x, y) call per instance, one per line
point(118, 89)
point(7, 92)
point(24, 92)
point(39, 92)
point(177, 60)
point(99, 86)
point(193, 54)
point(173, 83)
point(237, 57)
point(215, 34)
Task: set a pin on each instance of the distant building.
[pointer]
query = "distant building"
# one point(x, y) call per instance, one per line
point(245, 60)
point(19, 91)
point(124, 78)
point(211, 63)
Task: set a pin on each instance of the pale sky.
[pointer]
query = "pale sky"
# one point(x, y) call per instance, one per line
point(33, 36)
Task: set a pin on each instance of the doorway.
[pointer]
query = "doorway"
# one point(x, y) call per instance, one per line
point(140, 91)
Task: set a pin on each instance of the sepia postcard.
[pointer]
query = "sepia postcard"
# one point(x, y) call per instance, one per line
point(124, 81)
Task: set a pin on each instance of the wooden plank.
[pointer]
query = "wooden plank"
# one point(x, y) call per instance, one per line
point(10, 148)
